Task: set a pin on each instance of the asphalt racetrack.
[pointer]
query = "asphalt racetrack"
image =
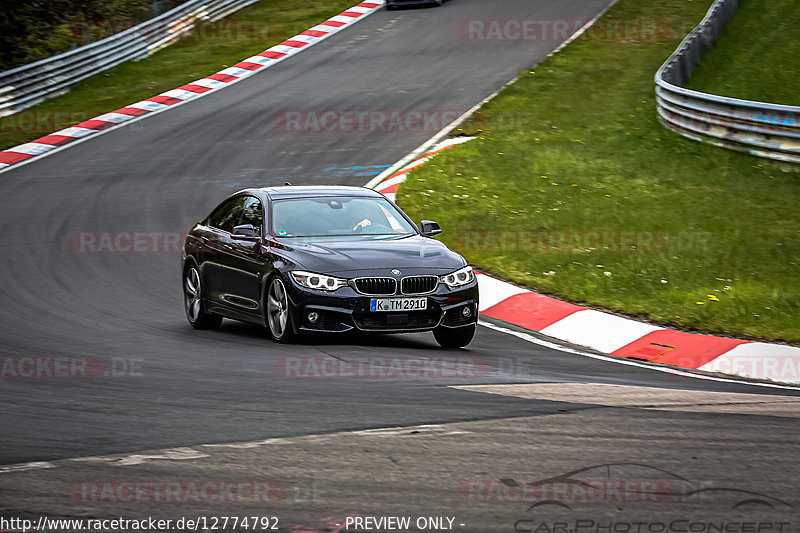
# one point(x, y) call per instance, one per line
point(177, 387)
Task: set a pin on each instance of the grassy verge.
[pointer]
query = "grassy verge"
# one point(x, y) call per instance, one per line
point(209, 49)
point(574, 189)
point(756, 55)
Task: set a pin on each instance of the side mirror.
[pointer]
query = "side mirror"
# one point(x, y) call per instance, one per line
point(245, 232)
point(430, 228)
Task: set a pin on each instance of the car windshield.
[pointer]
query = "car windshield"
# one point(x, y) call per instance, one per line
point(338, 216)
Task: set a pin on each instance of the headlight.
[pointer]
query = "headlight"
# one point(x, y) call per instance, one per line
point(459, 277)
point(319, 282)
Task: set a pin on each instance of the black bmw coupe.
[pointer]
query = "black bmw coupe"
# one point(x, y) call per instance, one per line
point(324, 259)
point(391, 4)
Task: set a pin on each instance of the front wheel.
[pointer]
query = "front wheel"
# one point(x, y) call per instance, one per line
point(454, 337)
point(279, 316)
point(193, 302)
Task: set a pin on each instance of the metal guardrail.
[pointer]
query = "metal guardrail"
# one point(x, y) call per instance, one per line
point(29, 84)
point(761, 129)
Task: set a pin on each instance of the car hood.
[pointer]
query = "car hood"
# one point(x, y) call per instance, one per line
point(362, 255)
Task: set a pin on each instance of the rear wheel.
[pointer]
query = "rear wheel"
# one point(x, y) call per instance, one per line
point(454, 337)
point(193, 302)
point(279, 316)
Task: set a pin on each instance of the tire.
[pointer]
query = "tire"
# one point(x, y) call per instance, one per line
point(278, 312)
point(454, 337)
point(193, 302)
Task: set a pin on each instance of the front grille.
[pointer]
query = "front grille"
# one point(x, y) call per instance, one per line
point(376, 286)
point(418, 284)
point(411, 320)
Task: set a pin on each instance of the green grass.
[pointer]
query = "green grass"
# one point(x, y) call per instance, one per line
point(756, 55)
point(576, 146)
point(211, 48)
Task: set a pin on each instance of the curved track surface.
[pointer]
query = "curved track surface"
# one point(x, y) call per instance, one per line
point(163, 173)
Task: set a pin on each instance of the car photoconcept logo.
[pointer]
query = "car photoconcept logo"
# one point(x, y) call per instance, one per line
point(396, 272)
point(554, 501)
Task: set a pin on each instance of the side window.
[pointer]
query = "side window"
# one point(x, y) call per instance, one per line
point(226, 216)
point(252, 214)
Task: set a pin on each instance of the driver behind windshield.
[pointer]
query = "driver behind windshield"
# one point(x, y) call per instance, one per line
point(366, 213)
point(321, 217)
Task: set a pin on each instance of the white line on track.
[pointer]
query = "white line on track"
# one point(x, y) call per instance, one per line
point(424, 147)
point(628, 362)
point(21, 467)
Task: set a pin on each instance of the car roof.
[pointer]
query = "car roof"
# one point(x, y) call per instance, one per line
point(306, 191)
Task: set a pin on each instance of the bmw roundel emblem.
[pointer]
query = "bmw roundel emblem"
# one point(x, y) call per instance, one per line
point(396, 272)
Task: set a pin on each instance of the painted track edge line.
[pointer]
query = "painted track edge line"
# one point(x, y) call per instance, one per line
point(191, 453)
point(628, 362)
point(420, 151)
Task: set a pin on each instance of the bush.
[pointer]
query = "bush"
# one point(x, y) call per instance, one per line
point(34, 30)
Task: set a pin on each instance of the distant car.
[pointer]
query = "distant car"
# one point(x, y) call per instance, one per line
point(324, 259)
point(391, 4)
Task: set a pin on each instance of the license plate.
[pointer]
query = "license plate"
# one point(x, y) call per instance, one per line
point(398, 304)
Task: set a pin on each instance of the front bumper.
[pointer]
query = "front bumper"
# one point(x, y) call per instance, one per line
point(399, 3)
point(347, 310)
